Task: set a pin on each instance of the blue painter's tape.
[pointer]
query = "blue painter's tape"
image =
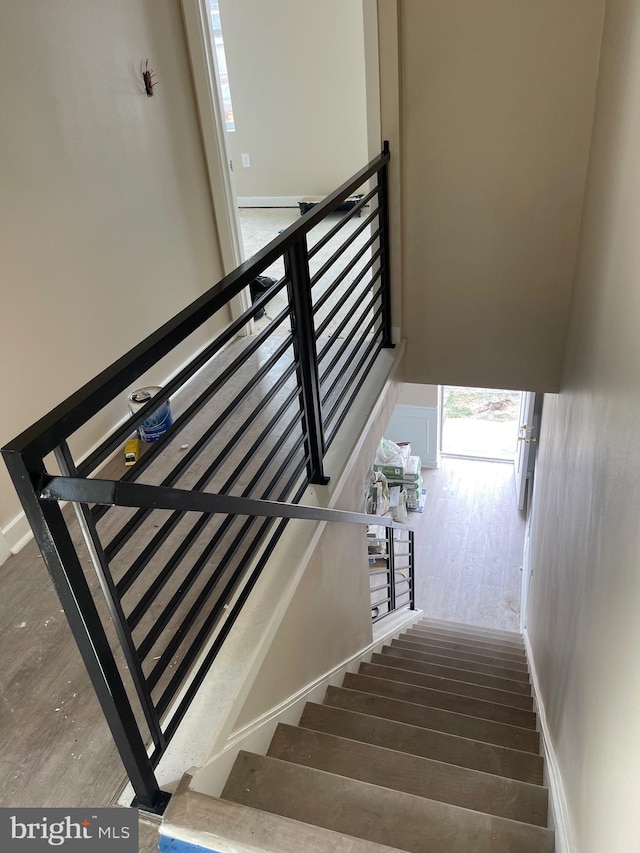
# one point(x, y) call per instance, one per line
point(175, 845)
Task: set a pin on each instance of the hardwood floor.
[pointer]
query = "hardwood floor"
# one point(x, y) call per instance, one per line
point(469, 544)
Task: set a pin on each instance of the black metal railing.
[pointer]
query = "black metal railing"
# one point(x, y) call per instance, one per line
point(391, 571)
point(254, 416)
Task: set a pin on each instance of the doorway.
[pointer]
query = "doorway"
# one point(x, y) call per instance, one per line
point(481, 423)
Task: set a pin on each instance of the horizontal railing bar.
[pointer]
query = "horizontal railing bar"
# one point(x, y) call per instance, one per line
point(117, 493)
point(42, 437)
point(352, 292)
point(376, 346)
point(191, 654)
point(343, 221)
point(192, 536)
point(169, 609)
point(192, 410)
point(348, 341)
point(107, 447)
point(139, 563)
point(343, 323)
point(127, 530)
point(322, 271)
point(352, 263)
point(378, 588)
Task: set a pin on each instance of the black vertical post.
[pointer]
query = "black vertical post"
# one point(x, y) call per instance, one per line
point(304, 346)
point(385, 257)
point(101, 566)
point(391, 560)
point(412, 573)
point(52, 536)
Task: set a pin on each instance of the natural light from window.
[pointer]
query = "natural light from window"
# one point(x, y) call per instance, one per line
point(216, 29)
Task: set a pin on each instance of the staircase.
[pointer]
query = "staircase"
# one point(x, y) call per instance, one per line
point(432, 746)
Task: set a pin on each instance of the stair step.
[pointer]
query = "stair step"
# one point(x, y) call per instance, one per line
point(476, 630)
point(378, 669)
point(408, 660)
point(438, 719)
point(455, 702)
point(236, 828)
point(431, 656)
point(466, 640)
point(412, 774)
point(515, 642)
point(467, 652)
point(428, 743)
point(374, 813)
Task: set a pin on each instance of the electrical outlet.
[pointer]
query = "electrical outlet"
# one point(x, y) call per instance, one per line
point(246, 161)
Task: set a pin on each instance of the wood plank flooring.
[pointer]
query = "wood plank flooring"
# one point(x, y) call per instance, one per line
point(469, 544)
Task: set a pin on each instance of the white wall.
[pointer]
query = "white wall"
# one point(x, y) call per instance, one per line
point(497, 106)
point(585, 591)
point(296, 70)
point(106, 223)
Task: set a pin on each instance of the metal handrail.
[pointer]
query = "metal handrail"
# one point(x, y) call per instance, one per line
point(300, 424)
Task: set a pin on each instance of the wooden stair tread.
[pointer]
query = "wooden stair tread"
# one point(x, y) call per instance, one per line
point(489, 649)
point(378, 669)
point(374, 813)
point(229, 827)
point(487, 640)
point(459, 661)
point(466, 652)
point(412, 774)
point(405, 659)
point(476, 630)
point(429, 743)
point(434, 718)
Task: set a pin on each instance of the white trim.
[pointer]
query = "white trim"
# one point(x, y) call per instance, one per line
point(256, 735)
point(269, 200)
point(559, 816)
point(208, 98)
point(5, 550)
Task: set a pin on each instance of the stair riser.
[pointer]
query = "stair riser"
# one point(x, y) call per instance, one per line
point(498, 648)
point(411, 774)
point(466, 653)
point(377, 814)
point(461, 663)
point(446, 634)
point(434, 718)
point(377, 669)
point(467, 705)
point(427, 743)
point(406, 660)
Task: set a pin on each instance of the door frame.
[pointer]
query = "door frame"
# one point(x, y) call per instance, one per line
point(204, 68)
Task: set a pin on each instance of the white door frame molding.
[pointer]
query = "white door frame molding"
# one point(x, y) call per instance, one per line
point(206, 86)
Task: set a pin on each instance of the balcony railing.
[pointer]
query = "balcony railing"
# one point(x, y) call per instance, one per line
point(176, 543)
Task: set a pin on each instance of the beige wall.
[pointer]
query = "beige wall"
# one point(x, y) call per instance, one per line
point(496, 116)
point(418, 395)
point(296, 69)
point(106, 224)
point(585, 590)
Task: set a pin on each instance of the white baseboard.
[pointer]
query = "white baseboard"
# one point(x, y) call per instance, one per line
point(256, 735)
point(559, 816)
point(269, 200)
point(5, 550)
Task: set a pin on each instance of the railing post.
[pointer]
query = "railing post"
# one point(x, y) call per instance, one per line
point(391, 561)
point(304, 347)
point(412, 594)
point(53, 538)
point(385, 257)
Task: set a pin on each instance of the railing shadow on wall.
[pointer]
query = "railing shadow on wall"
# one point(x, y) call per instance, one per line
point(178, 541)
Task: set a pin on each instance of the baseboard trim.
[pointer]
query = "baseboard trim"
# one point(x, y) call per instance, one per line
point(558, 806)
point(256, 735)
point(269, 200)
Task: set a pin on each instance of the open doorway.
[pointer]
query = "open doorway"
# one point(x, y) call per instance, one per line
point(481, 423)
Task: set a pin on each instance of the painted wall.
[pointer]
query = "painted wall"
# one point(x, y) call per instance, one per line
point(497, 106)
point(106, 224)
point(296, 70)
point(585, 590)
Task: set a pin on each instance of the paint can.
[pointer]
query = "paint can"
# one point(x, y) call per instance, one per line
point(159, 421)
